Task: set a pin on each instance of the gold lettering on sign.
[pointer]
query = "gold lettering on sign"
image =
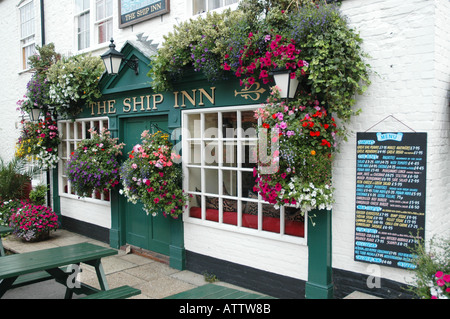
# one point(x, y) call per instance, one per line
point(156, 7)
point(141, 103)
point(211, 97)
point(247, 92)
point(111, 108)
point(192, 98)
point(101, 108)
point(161, 99)
point(126, 104)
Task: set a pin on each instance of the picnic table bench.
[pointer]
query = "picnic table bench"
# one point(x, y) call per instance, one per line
point(52, 262)
point(3, 230)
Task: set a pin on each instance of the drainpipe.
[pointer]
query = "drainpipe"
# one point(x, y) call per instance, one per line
point(42, 23)
point(49, 201)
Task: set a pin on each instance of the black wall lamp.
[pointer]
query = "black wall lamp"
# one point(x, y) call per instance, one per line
point(113, 59)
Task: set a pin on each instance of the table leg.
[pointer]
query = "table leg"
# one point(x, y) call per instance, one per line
point(100, 273)
point(6, 284)
point(2, 251)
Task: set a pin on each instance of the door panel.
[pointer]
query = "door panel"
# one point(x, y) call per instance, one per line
point(142, 230)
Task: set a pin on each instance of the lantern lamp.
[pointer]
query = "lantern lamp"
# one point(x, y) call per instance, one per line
point(113, 59)
point(283, 80)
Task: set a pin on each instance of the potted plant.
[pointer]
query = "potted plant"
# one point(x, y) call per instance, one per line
point(94, 164)
point(431, 270)
point(33, 222)
point(151, 175)
point(73, 82)
point(15, 179)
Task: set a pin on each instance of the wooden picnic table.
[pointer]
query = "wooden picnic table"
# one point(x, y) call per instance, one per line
point(3, 230)
point(51, 260)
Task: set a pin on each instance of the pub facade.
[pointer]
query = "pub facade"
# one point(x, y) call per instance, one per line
point(227, 229)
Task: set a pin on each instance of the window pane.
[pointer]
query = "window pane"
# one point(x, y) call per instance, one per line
point(230, 183)
point(194, 126)
point(213, 4)
point(211, 181)
point(194, 180)
point(194, 153)
point(249, 154)
point(100, 9)
point(271, 218)
point(211, 153)
point(229, 125)
point(248, 124)
point(211, 124)
point(230, 154)
point(199, 6)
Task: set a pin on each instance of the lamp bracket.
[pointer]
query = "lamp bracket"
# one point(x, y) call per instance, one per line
point(133, 64)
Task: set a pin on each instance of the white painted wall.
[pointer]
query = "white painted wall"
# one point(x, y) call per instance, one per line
point(409, 51)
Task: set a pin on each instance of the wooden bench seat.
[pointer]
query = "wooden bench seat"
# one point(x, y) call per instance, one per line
point(115, 293)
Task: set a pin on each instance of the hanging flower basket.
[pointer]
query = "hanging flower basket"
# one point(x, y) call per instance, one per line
point(39, 141)
point(301, 138)
point(150, 175)
point(93, 166)
point(73, 82)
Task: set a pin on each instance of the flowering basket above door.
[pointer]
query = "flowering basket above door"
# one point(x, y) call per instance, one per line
point(151, 175)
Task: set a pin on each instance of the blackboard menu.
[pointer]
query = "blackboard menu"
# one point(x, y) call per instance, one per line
point(390, 197)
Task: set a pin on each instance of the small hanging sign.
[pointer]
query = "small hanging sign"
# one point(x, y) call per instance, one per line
point(390, 196)
point(135, 11)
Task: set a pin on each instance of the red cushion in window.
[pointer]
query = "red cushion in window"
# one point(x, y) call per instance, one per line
point(272, 224)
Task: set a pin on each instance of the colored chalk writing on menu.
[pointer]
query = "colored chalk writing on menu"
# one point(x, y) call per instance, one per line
point(390, 197)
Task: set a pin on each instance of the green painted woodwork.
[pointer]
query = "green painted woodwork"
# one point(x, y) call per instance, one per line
point(156, 233)
point(319, 284)
point(3, 230)
point(212, 291)
point(121, 292)
point(20, 264)
point(50, 260)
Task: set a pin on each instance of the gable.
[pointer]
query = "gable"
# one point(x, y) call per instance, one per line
point(127, 79)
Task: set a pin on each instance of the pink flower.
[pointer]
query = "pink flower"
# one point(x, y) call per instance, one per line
point(439, 274)
point(156, 200)
point(446, 278)
point(440, 282)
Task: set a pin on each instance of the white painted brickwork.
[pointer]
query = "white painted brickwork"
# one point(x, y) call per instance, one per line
point(409, 45)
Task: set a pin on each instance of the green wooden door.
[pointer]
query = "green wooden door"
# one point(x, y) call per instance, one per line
point(142, 230)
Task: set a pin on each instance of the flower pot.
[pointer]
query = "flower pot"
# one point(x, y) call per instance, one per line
point(41, 236)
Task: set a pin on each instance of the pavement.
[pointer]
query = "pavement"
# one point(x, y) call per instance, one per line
point(155, 279)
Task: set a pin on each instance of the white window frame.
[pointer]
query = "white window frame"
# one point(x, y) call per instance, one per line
point(187, 139)
point(105, 20)
point(91, 9)
point(70, 137)
point(27, 32)
point(208, 7)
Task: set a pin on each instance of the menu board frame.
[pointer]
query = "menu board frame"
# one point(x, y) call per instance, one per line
point(390, 197)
